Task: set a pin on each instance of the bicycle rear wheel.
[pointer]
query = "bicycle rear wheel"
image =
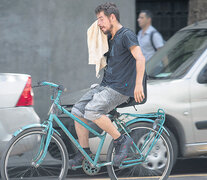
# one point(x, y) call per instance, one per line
point(23, 150)
point(157, 165)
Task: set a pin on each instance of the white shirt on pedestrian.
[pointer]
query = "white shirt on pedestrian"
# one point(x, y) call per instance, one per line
point(146, 44)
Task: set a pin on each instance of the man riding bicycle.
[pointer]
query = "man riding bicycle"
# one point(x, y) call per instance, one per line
point(123, 78)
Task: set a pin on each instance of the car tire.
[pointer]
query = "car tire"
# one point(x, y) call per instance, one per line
point(174, 145)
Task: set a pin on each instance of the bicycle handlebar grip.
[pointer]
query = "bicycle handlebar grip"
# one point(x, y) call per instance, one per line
point(45, 83)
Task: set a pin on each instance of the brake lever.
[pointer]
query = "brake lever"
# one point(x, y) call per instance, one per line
point(61, 87)
point(35, 86)
point(39, 84)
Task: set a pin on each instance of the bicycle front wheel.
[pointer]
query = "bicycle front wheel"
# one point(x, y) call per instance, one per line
point(18, 161)
point(158, 162)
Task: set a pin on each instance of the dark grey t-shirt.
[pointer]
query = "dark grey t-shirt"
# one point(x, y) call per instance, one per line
point(120, 73)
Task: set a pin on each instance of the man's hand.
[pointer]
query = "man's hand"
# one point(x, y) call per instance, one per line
point(139, 93)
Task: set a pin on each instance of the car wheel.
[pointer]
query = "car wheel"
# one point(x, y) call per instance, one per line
point(174, 145)
point(172, 139)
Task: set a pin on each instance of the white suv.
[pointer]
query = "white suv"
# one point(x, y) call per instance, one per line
point(16, 105)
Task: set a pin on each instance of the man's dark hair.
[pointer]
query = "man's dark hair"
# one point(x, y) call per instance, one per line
point(108, 9)
point(148, 13)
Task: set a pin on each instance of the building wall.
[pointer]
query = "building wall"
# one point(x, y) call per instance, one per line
point(197, 10)
point(47, 39)
point(169, 16)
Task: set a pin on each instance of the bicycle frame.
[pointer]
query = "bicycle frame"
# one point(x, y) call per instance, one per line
point(75, 142)
point(120, 124)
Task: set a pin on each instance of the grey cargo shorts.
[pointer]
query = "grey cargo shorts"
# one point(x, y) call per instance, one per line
point(98, 101)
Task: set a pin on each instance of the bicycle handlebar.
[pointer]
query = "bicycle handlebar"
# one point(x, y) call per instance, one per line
point(45, 83)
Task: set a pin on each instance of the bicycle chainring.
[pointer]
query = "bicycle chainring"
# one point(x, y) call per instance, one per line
point(88, 169)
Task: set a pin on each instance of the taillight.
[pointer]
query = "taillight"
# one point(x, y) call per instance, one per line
point(26, 98)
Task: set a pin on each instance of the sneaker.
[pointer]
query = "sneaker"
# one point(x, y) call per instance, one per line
point(122, 148)
point(77, 160)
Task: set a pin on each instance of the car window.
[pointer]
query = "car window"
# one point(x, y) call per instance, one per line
point(178, 55)
point(202, 77)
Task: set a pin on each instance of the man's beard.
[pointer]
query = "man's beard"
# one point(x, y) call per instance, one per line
point(109, 30)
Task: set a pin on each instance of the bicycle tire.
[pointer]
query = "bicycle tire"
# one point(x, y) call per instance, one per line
point(161, 156)
point(16, 162)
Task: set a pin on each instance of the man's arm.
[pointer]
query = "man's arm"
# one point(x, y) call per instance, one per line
point(157, 40)
point(140, 68)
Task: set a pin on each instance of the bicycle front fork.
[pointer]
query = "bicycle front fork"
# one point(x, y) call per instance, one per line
point(45, 141)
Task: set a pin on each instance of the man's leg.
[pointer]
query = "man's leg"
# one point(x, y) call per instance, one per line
point(105, 123)
point(95, 110)
point(83, 138)
point(82, 133)
point(122, 143)
point(78, 111)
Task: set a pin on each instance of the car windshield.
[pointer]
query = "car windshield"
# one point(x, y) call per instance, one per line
point(178, 55)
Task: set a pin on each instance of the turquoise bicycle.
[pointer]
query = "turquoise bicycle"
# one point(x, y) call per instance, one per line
point(38, 152)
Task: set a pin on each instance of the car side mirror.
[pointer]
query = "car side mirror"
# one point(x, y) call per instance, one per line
point(202, 77)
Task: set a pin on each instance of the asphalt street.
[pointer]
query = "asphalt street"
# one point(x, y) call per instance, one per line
point(172, 177)
point(184, 169)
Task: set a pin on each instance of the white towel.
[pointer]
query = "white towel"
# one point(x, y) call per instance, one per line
point(97, 47)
